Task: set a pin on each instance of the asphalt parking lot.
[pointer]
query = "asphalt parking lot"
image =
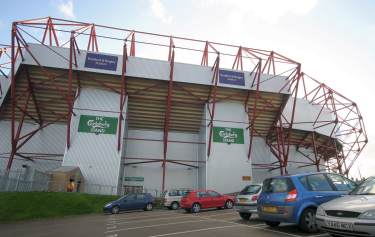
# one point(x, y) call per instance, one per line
point(158, 223)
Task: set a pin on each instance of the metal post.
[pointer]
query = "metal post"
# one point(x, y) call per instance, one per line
point(70, 99)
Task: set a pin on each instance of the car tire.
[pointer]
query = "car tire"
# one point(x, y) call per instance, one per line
point(195, 208)
point(245, 216)
point(228, 204)
point(175, 205)
point(272, 223)
point(115, 210)
point(307, 222)
point(149, 207)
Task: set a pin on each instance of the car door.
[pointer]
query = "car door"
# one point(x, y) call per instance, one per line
point(320, 189)
point(127, 203)
point(141, 201)
point(216, 199)
point(204, 199)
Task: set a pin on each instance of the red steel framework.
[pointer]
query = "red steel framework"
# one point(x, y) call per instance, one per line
point(347, 127)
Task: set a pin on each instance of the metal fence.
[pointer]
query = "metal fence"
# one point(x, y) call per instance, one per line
point(16, 183)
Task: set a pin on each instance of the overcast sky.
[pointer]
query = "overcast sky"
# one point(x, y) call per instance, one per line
point(333, 39)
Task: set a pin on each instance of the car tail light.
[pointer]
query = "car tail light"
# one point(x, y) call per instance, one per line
point(254, 198)
point(292, 196)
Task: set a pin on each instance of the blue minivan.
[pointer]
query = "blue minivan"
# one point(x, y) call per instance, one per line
point(295, 198)
point(131, 201)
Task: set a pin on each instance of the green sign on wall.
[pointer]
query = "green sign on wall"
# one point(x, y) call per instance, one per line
point(228, 135)
point(97, 124)
point(136, 179)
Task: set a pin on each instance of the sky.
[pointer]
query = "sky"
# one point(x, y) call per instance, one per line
point(333, 39)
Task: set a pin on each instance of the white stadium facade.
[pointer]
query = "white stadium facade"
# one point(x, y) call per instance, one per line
point(154, 112)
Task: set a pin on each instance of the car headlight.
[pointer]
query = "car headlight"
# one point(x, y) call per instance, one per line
point(320, 211)
point(369, 215)
point(108, 204)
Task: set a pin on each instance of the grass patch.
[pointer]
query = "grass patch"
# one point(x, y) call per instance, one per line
point(16, 206)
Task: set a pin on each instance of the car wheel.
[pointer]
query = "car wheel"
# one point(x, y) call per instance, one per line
point(175, 205)
point(245, 216)
point(307, 222)
point(196, 208)
point(229, 204)
point(115, 210)
point(148, 207)
point(272, 223)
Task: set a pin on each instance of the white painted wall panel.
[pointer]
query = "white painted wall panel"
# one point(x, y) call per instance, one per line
point(306, 114)
point(228, 162)
point(176, 175)
point(96, 155)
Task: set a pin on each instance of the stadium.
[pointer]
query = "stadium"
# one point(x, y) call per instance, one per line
point(134, 110)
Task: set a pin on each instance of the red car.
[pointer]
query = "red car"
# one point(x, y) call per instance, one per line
point(195, 200)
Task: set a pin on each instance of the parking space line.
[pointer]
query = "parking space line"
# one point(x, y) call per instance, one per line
point(142, 216)
point(197, 230)
point(150, 226)
point(155, 219)
point(221, 214)
point(258, 227)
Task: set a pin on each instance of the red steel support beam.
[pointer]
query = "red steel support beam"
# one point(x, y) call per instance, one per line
point(255, 104)
point(122, 95)
point(93, 43)
point(213, 92)
point(50, 29)
point(69, 94)
point(13, 98)
point(168, 110)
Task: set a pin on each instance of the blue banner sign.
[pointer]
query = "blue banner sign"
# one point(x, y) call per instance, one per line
point(101, 61)
point(231, 77)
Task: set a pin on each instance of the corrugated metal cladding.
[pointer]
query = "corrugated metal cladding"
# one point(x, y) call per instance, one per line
point(95, 154)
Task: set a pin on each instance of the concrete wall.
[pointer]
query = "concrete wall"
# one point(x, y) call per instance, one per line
point(96, 155)
point(177, 176)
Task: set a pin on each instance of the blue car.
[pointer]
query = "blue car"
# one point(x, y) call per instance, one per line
point(295, 198)
point(128, 202)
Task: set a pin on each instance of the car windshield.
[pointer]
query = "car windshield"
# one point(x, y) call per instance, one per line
point(185, 193)
point(251, 189)
point(365, 188)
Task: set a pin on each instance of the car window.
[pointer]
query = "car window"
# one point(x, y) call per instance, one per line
point(365, 188)
point(141, 196)
point(213, 194)
point(173, 193)
point(250, 189)
point(185, 194)
point(278, 185)
point(304, 182)
point(182, 192)
point(202, 194)
point(318, 182)
point(341, 183)
point(130, 197)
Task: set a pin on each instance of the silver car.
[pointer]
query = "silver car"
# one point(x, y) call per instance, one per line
point(171, 198)
point(246, 200)
point(351, 215)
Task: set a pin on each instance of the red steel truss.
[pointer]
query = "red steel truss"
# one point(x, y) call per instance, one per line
point(348, 132)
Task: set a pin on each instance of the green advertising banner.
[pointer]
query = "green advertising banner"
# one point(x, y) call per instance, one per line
point(97, 124)
point(228, 135)
point(136, 179)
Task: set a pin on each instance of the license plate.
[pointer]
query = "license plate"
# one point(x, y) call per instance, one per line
point(242, 200)
point(340, 225)
point(270, 209)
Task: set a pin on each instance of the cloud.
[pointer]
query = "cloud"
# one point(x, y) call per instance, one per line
point(160, 12)
point(269, 11)
point(67, 9)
